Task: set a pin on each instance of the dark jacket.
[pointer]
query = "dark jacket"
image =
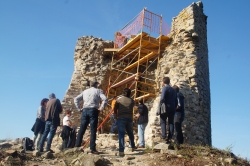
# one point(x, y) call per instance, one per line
point(124, 105)
point(66, 132)
point(143, 111)
point(38, 127)
point(53, 109)
point(168, 96)
point(180, 104)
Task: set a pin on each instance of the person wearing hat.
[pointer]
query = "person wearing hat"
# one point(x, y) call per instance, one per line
point(52, 120)
point(91, 106)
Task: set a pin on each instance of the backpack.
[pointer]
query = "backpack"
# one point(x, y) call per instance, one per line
point(27, 144)
point(162, 109)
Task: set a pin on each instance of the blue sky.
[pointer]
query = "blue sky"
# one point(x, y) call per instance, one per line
point(37, 40)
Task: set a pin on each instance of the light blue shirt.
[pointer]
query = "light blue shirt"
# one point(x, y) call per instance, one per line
point(91, 99)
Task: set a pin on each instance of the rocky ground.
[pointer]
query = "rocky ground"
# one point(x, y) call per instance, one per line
point(11, 153)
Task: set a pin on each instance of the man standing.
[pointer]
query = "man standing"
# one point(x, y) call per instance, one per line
point(91, 106)
point(142, 122)
point(179, 115)
point(168, 96)
point(123, 112)
point(52, 120)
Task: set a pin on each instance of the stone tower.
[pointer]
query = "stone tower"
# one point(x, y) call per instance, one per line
point(185, 61)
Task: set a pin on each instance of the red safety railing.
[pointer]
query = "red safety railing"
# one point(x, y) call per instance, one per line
point(144, 20)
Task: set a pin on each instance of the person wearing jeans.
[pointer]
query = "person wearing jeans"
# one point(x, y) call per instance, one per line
point(91, 103)
point(123, 112)
point(114, 124)
point(163, 121)
point(52, 120)
point(142, 122)
point(125, 124)
point(89, 116)
point(51, 130)
point(112, 117)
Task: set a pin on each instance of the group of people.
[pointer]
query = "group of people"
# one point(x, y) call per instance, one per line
point(174, 113)
point(47, 122)
point(94, 101)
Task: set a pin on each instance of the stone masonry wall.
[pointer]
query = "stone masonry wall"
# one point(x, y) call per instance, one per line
point(90, 64)
point(185, 61)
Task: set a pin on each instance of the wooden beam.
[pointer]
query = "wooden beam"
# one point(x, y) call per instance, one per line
point(130, 78)
point(163, 38)
point(145, 96)
point(153, 85)
point(142, 60)
point(111, 49)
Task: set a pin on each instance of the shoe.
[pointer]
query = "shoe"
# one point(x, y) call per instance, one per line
point(121, 154)
point(94, 152)
point(141, 147)
point(40, 150)
point(168, 141)
point(50, 150)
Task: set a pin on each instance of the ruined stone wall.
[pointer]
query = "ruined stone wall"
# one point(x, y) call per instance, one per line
point(185, 61)
point(90, 64)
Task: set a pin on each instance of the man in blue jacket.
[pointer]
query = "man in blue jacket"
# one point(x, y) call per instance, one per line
point(168, 96)
point(179, 115)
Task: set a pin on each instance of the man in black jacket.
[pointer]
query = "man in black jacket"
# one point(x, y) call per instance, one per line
point(168, 96)
point(142, 122)
point(179, 115)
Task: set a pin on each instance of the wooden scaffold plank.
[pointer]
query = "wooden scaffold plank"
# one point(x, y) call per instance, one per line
point(128, 79)
point(142, 60)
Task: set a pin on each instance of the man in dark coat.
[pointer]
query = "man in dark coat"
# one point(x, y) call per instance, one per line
point(168, 96)
point(52, 120)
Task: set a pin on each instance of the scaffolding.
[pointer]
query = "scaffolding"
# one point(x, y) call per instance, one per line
point(135, 51)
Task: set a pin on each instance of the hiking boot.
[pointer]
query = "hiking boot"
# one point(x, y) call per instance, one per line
point(121, 154)
point(40, 150)
point(94, 152)
point(141, 147)
point(168, 141)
